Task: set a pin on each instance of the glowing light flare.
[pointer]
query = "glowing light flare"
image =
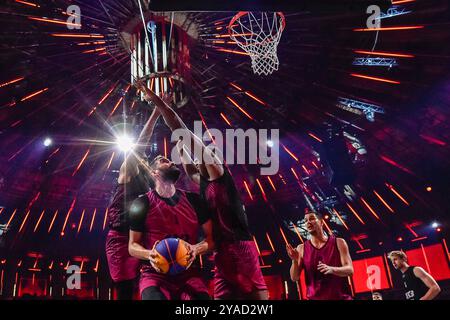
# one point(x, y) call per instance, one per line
point(165, 147)
point(386, 54)
point(419, 239)
point(233, 51)
point(240, 108)
point(259, 251)
point(396, 164)
point(327, 227)
point(33, 95)
point(270, 242)
point(206, 127)
point(106, 95)
point(105, 218)
point(81, 221)
point(115, 107)
point(28, 3)
point(410, 229)
point(39, 221)
point(52, 154)
point(298, 233)
point(255, 98)
point(340, 219)
point(284, 236)
point(248, 190)
point(235, 35)
point(314, 137)
point(295, 174)
point(82, 161)
point(96, 265)
point(397, 194)
point(73, 35)
point(72, 205)
point(125, 143)
point(262, 189)
point(305, 169)
point(271, 183)
point(24, 221)
point(11, 82)
point(401, 1)
point(225, 119)
point(383, 201)
point(52, 222)
point(93, 219)
point(94, 50)
point(90, 43)
point(370, 208)
point(11, 218)
point(355, 213)
point(389, 28)
point(290, 152)
point(235, 86)
point(55, 21)
point(433, 140)
point(315, 165)
point(374, 78)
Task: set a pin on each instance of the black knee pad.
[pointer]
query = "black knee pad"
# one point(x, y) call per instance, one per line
point(153, 293)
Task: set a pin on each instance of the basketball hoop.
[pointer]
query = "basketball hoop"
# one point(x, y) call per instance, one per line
point(258, 34)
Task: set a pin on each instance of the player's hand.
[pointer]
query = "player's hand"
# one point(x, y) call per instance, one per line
point(322, 267)
point(191, 254)
point(292, 252)
point(167, 98)
point(152, 258)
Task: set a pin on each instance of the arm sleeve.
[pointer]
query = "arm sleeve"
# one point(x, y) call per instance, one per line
point(199, 206)
point(138, 213)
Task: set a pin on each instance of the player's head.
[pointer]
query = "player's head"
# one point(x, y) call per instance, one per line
point(313, 222)
point(377, 296)
point(398, 259)
point(162, 170)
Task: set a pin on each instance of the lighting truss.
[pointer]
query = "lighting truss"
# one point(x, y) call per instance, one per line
point(375, 62)
point(368, 109)
point(393, 12)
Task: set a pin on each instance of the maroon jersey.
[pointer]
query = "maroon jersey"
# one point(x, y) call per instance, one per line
point(226, 209)
point(320, 286)
point(177, 217)
point(121, 202)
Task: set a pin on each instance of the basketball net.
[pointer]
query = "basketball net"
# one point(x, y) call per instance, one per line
point(258, 34)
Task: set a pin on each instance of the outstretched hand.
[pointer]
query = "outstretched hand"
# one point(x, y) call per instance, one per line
point(192, 254)
point(292, 252)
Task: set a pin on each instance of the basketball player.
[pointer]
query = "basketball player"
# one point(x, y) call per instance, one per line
point(419, 285)
point(162, 213)
point(132, 182)
point(325, 260)
point(237, 273)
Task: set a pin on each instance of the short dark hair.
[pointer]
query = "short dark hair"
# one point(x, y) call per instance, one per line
point(309, 211)
point(152, 163)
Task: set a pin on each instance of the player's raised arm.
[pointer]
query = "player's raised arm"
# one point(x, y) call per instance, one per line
point(129, 167)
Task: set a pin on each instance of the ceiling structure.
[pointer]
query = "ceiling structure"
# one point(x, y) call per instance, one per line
point(73, 86)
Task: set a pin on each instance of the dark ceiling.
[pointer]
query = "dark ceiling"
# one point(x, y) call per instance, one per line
point(407, 146)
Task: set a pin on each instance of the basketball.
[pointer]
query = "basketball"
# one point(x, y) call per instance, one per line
point(172, 256)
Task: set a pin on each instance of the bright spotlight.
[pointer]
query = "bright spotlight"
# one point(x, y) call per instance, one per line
point(435, 225)
point(125, 143)
point(270, 143)
point(47, 142)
